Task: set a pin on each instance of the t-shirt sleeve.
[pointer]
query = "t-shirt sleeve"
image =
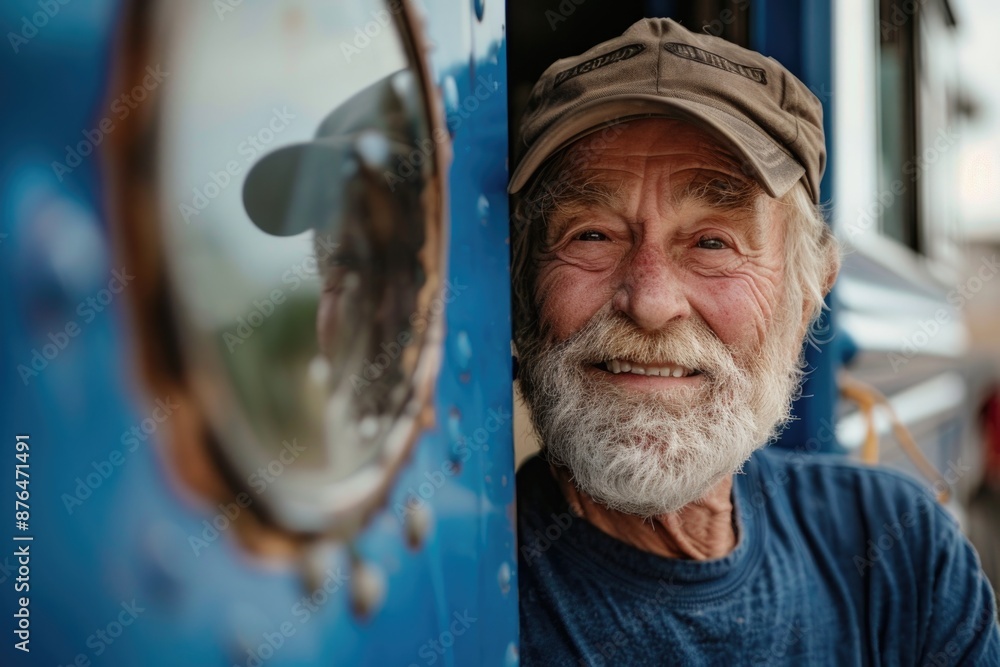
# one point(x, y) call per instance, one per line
point(962, 628)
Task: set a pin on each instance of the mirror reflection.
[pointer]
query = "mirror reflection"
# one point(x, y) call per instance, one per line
point(295, 228)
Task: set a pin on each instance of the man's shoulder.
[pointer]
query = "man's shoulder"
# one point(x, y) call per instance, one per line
point(836, 474)
point(834, 498)
point(901, 554)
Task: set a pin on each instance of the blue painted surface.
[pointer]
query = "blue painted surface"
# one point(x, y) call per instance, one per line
point(128, 540)
point(798, 34)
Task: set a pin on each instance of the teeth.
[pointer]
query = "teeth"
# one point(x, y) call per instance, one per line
point(620, 366)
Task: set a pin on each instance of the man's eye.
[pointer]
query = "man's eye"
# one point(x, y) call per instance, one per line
point(591, 235)
point(710, 243)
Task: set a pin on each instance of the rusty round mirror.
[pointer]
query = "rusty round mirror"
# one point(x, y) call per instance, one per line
point(300, 212)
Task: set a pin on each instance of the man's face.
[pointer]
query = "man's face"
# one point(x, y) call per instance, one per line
point(657, 255)
point(668, 351)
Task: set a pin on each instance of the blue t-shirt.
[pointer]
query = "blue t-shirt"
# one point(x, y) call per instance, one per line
point(835, 564)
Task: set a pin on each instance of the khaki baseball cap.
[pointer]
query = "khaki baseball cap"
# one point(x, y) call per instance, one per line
point(658, 68)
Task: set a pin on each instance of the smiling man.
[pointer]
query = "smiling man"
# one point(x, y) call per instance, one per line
point(669, 258)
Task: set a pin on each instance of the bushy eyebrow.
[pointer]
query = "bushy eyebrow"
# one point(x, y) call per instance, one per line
point(732, 197)
point(721, 192)
point(740, 201)
point(573, 194)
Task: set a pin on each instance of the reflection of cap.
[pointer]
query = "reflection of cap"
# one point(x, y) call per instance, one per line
point(659, 68)
point(300, 186)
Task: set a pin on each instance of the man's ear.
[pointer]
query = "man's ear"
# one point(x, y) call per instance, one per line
point(831, 260)
point(833, 265)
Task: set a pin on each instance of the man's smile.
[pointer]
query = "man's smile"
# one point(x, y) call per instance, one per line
point(647, 376)
point(617, 366)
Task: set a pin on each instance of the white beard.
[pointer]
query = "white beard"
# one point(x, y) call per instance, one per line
point(652, 453)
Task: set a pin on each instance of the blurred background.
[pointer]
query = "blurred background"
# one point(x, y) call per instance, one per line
point(979, 160)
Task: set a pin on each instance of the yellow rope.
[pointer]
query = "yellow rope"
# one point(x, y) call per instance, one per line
point(868, 398)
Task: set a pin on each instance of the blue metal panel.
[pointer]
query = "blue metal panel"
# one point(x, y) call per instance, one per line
point(798, 33)
point(453, 601)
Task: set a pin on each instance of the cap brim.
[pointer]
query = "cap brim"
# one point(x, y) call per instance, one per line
point(297, 187)
point(775, 169)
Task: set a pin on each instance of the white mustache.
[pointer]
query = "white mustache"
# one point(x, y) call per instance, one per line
point(688, 343)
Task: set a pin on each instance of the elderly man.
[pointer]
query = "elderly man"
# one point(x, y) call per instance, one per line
point(669, 258)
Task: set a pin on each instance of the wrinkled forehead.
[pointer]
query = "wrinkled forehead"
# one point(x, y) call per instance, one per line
point(684, 143)
point(597, 169)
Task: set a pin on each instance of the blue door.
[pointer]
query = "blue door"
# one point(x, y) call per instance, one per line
point(259, 339)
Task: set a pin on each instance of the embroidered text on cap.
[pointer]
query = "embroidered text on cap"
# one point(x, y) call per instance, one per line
point(709, 58)
point(624, 53)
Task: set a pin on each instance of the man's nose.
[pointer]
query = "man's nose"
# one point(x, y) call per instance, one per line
point(651, 291)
